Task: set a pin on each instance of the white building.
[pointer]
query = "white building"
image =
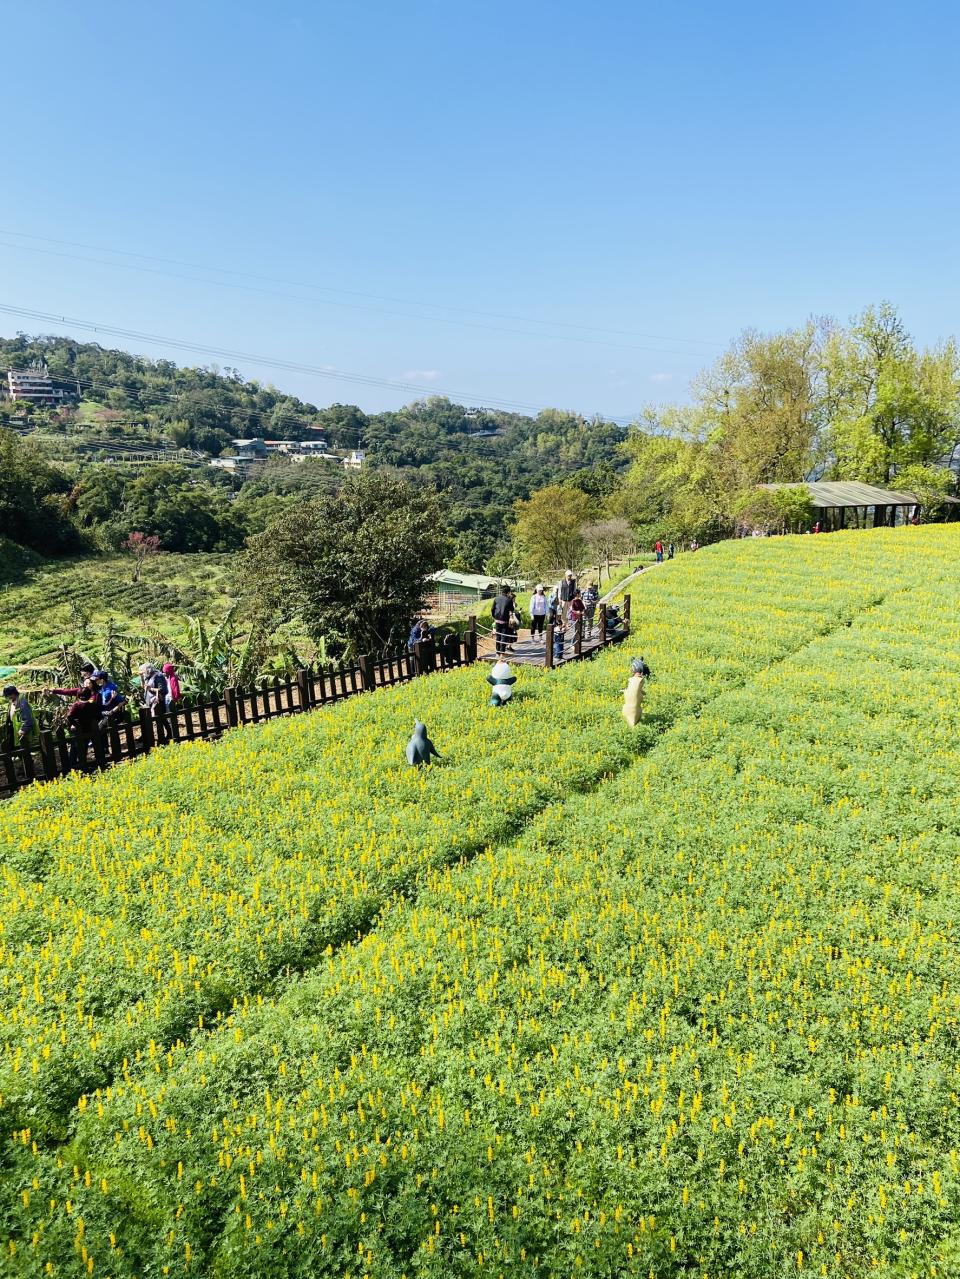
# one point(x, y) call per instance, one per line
point(355, 460)
point(35, 385)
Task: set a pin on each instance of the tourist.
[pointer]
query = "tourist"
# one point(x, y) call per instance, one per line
point(174, 692)
point(504, 609)
point(591, 598)
point(670, 550)
point(658, 551)
point(576, 608)
point(112, 703)
point(568, 587)
point(420, 632)
point(87, 672)
point(538, 611)
point(515, 621)
point(83, 718)
point(23, 727)
point(154, 686)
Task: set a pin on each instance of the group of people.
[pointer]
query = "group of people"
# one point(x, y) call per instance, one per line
point(97, 702)
point(566, 605)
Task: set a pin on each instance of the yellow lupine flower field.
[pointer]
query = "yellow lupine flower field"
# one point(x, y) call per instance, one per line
point(676, 1001)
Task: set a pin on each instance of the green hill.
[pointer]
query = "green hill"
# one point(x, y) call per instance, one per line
point(575, 1000)
point(46, 603)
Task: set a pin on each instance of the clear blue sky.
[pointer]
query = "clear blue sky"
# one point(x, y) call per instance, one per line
point(681, 171)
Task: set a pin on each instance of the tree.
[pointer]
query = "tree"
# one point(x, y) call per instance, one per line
point(606, 540)
point(761, 407)
point(930, 484)
point(34, 507)
point(140, 546)
point(352, 567)
point(548, 531)
point(890, 405)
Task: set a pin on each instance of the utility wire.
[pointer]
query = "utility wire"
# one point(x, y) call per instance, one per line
point(327, 288)
point(350, 306)
point(291, 366)
point(144, 396)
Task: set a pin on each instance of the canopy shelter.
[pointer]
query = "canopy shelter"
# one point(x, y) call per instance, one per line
point(871, 506)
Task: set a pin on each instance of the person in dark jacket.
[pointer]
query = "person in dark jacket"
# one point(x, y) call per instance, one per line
point(82, 719)
point(504, 607)
point(568, 588)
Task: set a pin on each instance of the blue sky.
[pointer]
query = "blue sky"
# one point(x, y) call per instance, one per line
point(542, 204)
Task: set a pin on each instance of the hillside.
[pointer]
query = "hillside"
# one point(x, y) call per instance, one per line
point(129, 413)
point(48, 602)
point(576, 1000)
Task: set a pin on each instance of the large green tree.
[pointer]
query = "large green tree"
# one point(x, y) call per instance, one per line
point(548, 532)
point(890, 404)
point(33, 499)
point(352, 567)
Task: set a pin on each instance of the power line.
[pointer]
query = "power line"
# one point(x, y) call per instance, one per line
point(351, 306)
point(267, 418)
point(291, 366)
point(327, 288)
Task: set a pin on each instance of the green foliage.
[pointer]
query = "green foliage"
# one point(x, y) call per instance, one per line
point(891, 406)
point(32, 499)
point(548, 532)
point(352, 568)
point(931, 484)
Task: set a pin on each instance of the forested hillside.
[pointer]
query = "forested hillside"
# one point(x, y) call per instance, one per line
point(483, 460)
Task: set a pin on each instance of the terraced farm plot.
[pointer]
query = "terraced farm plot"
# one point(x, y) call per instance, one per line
point(680, 1002)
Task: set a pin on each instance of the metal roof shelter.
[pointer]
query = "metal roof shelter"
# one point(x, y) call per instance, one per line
point(832, 501)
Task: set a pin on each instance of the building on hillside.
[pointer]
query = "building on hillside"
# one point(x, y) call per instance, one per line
point(36, 386)
point(255, 448)
point(850, 504)
point(355, 459)
point(454, 592)
point(238, 465)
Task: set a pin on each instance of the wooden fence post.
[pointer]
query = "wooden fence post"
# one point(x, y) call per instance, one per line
point(230, 703)
point(626, 610)
point(548, 655)
point(146, 730)
point(303, 689)
point(470, 640)
point(603, 625)
point(578, 638)
point(418, 667)
point(48, 754)
point(367, 673)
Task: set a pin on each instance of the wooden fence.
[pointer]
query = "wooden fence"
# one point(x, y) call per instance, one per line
point(58, 753)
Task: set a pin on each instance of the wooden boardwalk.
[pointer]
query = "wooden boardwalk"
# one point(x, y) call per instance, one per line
point(578, 642)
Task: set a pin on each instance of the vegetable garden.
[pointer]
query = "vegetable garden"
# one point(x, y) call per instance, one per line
point(682, 1001)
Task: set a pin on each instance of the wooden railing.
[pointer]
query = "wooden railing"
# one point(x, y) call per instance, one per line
point(209, 718)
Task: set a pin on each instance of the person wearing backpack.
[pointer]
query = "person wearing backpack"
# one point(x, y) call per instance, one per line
point(504, 608)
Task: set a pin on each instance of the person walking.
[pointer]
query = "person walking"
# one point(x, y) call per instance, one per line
point(591, 598)
point(538, 611)
point(174, 691)
point(503, 611)
point(568, 587)
point(670, 550)
point(83, 719)
point(658, 551)
point(154, 686)
point(576, 609)
point(23, 728)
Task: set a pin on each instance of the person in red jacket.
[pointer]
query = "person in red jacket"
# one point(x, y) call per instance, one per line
point(82, 718)
point(658, 548)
